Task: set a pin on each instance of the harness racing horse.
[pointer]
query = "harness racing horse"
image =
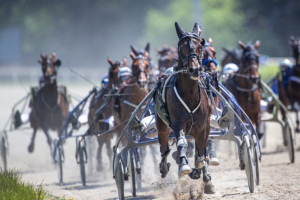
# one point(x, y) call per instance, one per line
point(145, 53)
point(49, 104)
point(293, 93)
point(131, 91)
point(183, 106)
point(245, 84)
point(168, 58)
point(104, 116)
point(231, 56)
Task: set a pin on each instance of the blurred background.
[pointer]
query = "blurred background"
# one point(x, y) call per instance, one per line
point(85, 33)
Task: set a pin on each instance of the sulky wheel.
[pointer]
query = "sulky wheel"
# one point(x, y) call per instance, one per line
point(290, 141)
point(59, 163)
point(132, 172)
point(248, 161)
point(119, 177)
point(82, 153)
point(3, 151)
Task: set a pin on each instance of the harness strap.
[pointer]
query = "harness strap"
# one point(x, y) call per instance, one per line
point(186, 107)
point(131, 104)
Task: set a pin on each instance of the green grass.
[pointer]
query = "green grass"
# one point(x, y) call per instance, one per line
point(267, 72)
point(12, 187)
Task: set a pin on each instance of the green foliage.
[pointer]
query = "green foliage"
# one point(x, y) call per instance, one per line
point(220, 20)
point(12, 188)
point(267, 72)
point(159, 27)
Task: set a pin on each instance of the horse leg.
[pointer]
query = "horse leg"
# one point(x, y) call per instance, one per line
point(31, 145)
point(49, 139)
point(211, 149)
point(258, 125)
point(163, 139)
point(99, 154)
point(182, 146)
point(110, 152)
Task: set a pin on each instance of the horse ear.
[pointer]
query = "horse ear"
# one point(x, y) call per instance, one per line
point(124, 62)
point(158, 50)
point(58, 62)
point(43, 56)
point(134, 50)
point(226, 50)
point(210, 41)
point(53, 54)
point(197, 29)
point(256, 45)
point(292, 40)
point(179, 30)
point(242, 45)
point(146, 54)
point(147, 48)
point(110, 61)
point(132, 55)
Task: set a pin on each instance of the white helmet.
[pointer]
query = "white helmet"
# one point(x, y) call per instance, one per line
point(230, 68)
point(124, 71)
point(286, 62)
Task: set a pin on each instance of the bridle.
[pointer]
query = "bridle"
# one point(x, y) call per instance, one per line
point(192, 53)
point(249, 56)
point(141, 69)
point(49, 78)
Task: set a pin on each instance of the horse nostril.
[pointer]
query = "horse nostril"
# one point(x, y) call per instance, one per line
point(191, 70)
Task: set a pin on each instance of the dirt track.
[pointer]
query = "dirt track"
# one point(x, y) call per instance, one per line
point(279, 179)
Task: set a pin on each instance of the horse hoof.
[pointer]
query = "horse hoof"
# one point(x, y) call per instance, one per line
point(214, 161)
point(209, 188)
point(185, 169)
point(195, 174)
point(30, 148)
point(164, 169)
point(297, 130)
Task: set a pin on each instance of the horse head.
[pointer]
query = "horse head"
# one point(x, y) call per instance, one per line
point(113, 71)
point(295, 43)
point(49, 67)
point(250, 60)
point(140, 65)
point(231, 56)
point(168, 57)
point(190, 50)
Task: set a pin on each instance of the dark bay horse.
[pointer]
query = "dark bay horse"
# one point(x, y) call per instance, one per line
point(50, 105)
point(185, 108)
point(291, 94)
point(245, 84)
point(102, 123)
point(231, 56)
point(167, 58)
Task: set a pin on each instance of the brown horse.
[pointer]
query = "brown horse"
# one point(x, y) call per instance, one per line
point(132, 89)
point(103, 117)
point(49, 104)
point(168, 58)
point(291, 94)
point(185, 108)
point(231, 56)
point(245, 84)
